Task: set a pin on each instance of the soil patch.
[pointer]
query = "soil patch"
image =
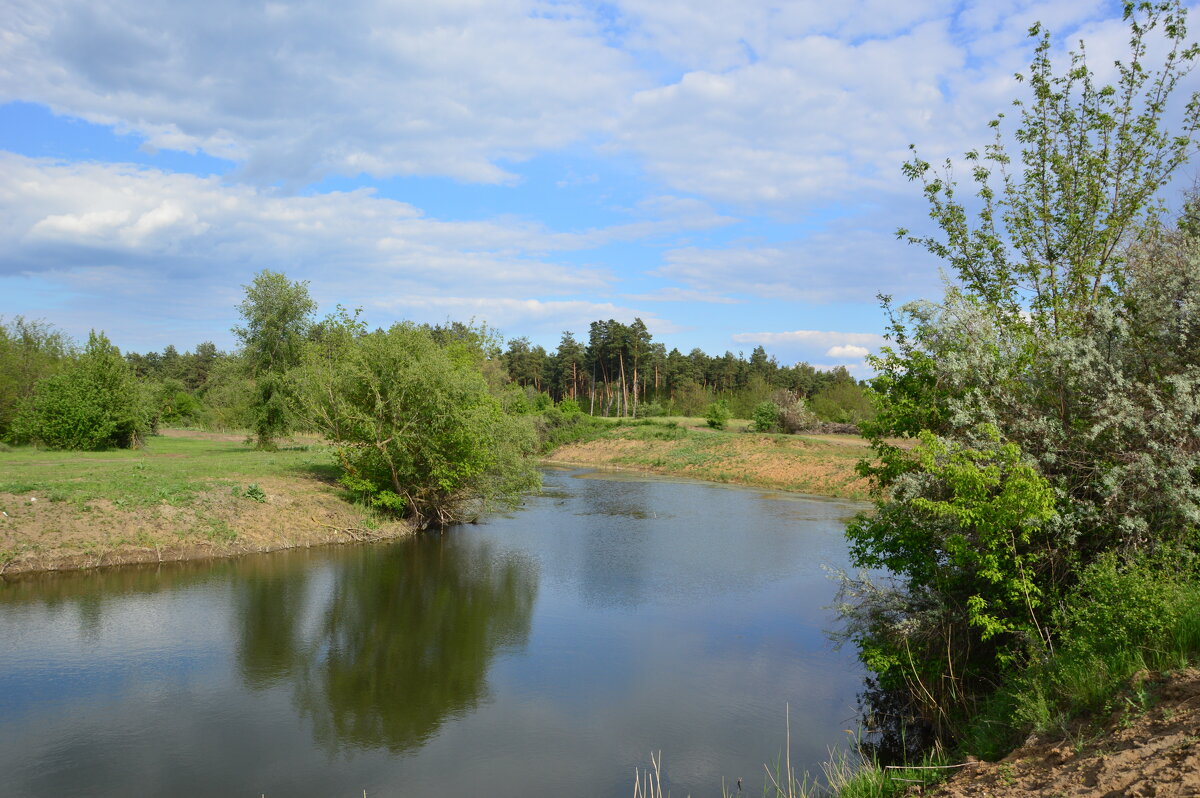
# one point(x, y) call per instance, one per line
point(38, 534)
point(1152, 752)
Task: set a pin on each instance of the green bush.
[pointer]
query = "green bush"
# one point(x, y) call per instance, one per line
point(844, 402)
point(414, 426)
point(766, 417)
point(1117, 606)
point(95, 403)
point(718, 414)
point(651, 410)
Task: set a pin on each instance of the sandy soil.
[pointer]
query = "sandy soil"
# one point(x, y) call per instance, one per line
point(1156, 752)
point(41, 535)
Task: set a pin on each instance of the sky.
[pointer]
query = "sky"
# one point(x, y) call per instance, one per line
point(729, 172)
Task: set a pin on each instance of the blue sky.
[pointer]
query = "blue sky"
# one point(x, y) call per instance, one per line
point(729, 172)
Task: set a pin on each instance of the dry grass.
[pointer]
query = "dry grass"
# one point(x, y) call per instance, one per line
point(823, 466)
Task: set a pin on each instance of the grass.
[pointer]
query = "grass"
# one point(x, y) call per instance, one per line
point(1094, 677)
point(686, 447)
point(843, 775)
point(170, 470)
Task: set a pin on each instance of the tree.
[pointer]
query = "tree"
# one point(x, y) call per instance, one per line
point(415, 427)
point(278, 316)
point(29, 351)
point(1054, 389)
point(94, 403)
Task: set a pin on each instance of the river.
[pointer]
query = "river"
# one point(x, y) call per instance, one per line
point(544, 652)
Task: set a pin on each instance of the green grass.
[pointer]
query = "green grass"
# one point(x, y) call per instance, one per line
point(171, 470)
point(1090, 677)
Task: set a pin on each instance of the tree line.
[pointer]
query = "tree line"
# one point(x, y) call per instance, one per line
point(621, 371)
point(425, 420)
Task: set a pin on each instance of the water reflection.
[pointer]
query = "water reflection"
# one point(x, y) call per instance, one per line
point(546, 651)
point(401, 641)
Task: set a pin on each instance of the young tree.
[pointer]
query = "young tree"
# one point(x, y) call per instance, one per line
point(278, 316)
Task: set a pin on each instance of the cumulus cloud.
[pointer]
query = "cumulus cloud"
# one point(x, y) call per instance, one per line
point(298, 91)
point(141, 237)
point(816, 339)
point(748, 102)
point(848, 352)
point(824, 349)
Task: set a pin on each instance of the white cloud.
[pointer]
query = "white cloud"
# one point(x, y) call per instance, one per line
point(295, 92)
point(547, 316)
point(848, 352)
point(677, 294)
point(748, 102)
point(816, 339)
point(184, 245)
point(846, 349)
point(850, 261)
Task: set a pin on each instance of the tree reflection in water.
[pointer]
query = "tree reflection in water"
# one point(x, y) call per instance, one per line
point(401, 641)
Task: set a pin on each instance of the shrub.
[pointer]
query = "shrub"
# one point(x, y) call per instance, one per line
point(414, 425)
point(95, 403)
point(766, 417)
point(651, 410)
point(794, 415)
point(718, 414)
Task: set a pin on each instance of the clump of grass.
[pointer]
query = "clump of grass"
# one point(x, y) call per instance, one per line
point(1123, 620)
point(846, 774)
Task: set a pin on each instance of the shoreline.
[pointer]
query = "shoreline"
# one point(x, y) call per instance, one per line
point(822, 466)
point(186, 496)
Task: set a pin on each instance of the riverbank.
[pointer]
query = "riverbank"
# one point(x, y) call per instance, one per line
point(820, 465)
point(184, 496)
point(1149, 746)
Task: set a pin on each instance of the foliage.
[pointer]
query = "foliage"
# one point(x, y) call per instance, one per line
point(765, 417)
point(255, 493)
point(1122, 619)
point(718, 414)
point(228, 398)
point(415, 428)
point(29, 351)
point(1055, 389)
point(843, 402)
point(558, 427)
point(277, 315)
point(169, 402)
point(794, 415)
point(965, 536)
point(620, 368)
point(94, 403)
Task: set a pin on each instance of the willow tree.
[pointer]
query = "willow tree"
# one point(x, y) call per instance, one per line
point(414, 426)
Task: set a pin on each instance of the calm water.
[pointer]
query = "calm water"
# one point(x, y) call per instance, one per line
point(546, 652)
